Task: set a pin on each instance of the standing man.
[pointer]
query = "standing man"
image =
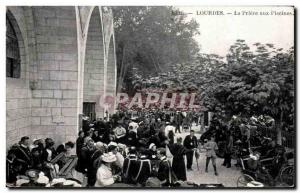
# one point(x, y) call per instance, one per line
point(228, 149)
point(177, 121)
point(190, 143)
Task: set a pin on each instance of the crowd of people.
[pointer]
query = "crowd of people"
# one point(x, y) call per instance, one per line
point(140, 150)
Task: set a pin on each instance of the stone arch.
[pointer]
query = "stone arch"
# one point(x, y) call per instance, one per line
point(93, 76)
point(105, 74)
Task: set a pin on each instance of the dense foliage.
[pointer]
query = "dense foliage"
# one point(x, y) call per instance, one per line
point(249, 82)
point(151, 38)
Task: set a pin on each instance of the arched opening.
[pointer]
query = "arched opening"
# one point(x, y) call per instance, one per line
point(13, 59)
point(93, 83)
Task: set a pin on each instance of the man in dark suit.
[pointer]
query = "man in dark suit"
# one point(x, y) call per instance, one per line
point(190, 143)
point(178, 121)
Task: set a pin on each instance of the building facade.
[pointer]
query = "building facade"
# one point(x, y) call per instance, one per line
point(59, 62)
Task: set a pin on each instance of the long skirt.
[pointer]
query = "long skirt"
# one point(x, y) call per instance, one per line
point(178, 167)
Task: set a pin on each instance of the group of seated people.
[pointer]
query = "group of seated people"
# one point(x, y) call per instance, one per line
point(36, 156)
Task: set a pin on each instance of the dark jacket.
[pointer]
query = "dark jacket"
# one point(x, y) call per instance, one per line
point(143, 168)
point(79, 145)
point(189, 142)
point(129, 170)
point(24, 156)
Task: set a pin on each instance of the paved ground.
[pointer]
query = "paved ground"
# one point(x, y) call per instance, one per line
point(227, 176)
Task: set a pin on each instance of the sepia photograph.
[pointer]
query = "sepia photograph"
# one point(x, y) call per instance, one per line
point(139, 97)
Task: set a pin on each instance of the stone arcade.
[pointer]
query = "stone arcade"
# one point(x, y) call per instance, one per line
point(59, 61)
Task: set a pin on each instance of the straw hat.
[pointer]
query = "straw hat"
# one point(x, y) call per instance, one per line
point(108, 157)
point(99, 145)
point(120, 132)
point(151, 145)
point(112, 143)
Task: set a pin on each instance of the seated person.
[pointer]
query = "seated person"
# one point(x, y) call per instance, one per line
point(37, 161)
point(11, 167)
point(255, 167)
point(253, 161)
point(49, 152)
point(66, 148)
point(51, 170)
point(152, 153)
point(143, 166)
point(22, 153)
point(165, 174)
point(129, 170)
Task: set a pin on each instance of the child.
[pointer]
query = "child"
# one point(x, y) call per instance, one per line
point(211, 147)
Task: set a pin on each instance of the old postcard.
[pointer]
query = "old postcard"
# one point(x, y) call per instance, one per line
point(150, 97)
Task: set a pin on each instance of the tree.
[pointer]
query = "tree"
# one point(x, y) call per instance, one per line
point(150, 38)
point(255, 82)
point(250, 82)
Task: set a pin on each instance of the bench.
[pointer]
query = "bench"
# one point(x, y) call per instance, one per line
point(68, 164)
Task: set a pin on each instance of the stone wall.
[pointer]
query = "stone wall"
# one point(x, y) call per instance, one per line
point(54, 101)
point(56, 48)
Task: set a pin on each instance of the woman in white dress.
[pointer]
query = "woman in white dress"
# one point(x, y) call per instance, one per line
point(104, 172)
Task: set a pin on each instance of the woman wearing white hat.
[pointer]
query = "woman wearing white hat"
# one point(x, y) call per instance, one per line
point(104, 173)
